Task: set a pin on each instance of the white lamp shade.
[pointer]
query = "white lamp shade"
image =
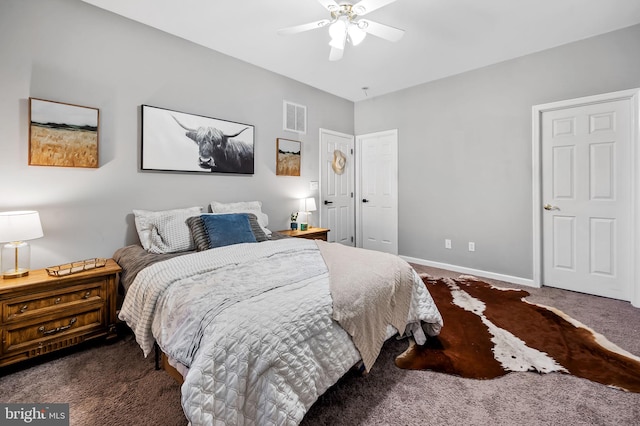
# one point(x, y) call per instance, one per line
point(338, 43)
point(310, 204)
point(20, 226)
point(356, 34)
point(338, 29)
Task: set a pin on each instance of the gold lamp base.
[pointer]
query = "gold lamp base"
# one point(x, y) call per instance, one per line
point(16, 258)
point(15, 273)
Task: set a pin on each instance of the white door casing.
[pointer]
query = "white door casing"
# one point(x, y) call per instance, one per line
point(585, 165)
point(377, 189)
point(336, 190)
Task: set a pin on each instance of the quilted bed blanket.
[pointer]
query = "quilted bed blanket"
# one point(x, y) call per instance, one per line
point(252, 324)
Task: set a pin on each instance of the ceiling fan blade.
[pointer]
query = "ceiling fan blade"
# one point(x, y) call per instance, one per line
point(380, 30)
point(304, 27)
point(330, 5)
point(367, 6)
point(335, 54)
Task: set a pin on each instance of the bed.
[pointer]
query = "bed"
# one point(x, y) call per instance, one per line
point(259, 329)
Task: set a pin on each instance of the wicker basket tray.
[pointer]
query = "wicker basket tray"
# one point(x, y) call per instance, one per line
point(75, 267)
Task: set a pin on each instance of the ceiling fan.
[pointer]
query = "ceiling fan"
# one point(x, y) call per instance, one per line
point(345, 24)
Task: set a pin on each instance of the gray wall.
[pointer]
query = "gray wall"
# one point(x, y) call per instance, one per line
point(69, 51)
point(465, 149)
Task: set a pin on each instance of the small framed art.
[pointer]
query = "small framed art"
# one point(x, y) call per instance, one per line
point(63, 134)
point(174, 141)
point(288, 156)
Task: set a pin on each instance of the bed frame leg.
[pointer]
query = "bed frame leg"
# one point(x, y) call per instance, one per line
point(359, 368)
point(156, 349)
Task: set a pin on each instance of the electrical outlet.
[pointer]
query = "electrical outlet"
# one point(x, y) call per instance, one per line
point(472, 246)
point(447, 244)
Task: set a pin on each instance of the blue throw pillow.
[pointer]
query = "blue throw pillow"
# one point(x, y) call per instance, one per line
point(228, 229)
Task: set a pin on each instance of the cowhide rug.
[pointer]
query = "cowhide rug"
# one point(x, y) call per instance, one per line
point(489, 332)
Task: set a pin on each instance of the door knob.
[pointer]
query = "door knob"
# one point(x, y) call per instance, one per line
point(327, 202)
point(364, 200)
point(550, 207)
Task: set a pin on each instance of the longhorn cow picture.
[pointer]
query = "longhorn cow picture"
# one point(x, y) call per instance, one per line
point(181, 142)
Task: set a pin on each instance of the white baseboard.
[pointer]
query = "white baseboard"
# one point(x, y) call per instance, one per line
point(469, 271)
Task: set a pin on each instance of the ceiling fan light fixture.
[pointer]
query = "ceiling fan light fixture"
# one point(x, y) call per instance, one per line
point(359, 10)
point(356, 35)
point(338, 29)
point(346, 25)
point(338, 43)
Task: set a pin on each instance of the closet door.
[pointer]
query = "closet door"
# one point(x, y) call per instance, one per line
point(586, 198)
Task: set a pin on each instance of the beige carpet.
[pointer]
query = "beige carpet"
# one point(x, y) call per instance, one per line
point(104, 384)
point(113, 384)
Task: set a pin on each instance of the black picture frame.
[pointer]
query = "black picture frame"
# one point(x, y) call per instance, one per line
point(175, 141)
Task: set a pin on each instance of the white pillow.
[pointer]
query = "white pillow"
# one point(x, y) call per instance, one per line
point(165, 231)
point(254, 207)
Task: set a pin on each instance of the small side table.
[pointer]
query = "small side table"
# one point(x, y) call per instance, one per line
point(309, 234)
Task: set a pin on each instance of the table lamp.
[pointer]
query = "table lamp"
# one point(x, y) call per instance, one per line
point(16, 228)
point(309, 206)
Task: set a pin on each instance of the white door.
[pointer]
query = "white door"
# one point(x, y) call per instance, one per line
point(336, 189)
point(587, 199)
point(377, 189)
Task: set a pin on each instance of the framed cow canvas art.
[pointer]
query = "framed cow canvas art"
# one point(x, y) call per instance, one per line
point(174, 141)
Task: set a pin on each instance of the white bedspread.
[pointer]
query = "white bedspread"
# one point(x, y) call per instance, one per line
point(252, 322)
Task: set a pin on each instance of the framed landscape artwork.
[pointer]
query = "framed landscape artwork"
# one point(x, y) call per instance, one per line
point(62, 134)
point(288, 157)
point(174, 141)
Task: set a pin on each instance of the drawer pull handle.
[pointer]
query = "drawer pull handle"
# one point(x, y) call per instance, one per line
point(87, 295)
point(24, 308)
point(58, 329)
point(57, 300)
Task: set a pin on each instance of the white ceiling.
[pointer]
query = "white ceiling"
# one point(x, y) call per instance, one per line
point(443, 37)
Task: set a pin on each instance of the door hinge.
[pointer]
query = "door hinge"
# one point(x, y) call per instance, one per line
point(351, 151)
point(352, 195)
point(352, 239)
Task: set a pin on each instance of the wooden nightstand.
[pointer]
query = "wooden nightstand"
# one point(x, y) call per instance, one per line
point(41, 313)
point(310, 234)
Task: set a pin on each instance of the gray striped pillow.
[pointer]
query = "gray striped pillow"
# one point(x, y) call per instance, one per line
point(256, 228)
point(198, 233)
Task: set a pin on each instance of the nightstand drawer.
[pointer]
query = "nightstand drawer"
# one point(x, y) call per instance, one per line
point(22, 336)
point(24, 307)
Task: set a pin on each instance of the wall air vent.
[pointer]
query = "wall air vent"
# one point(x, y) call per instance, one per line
point(294, 117)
